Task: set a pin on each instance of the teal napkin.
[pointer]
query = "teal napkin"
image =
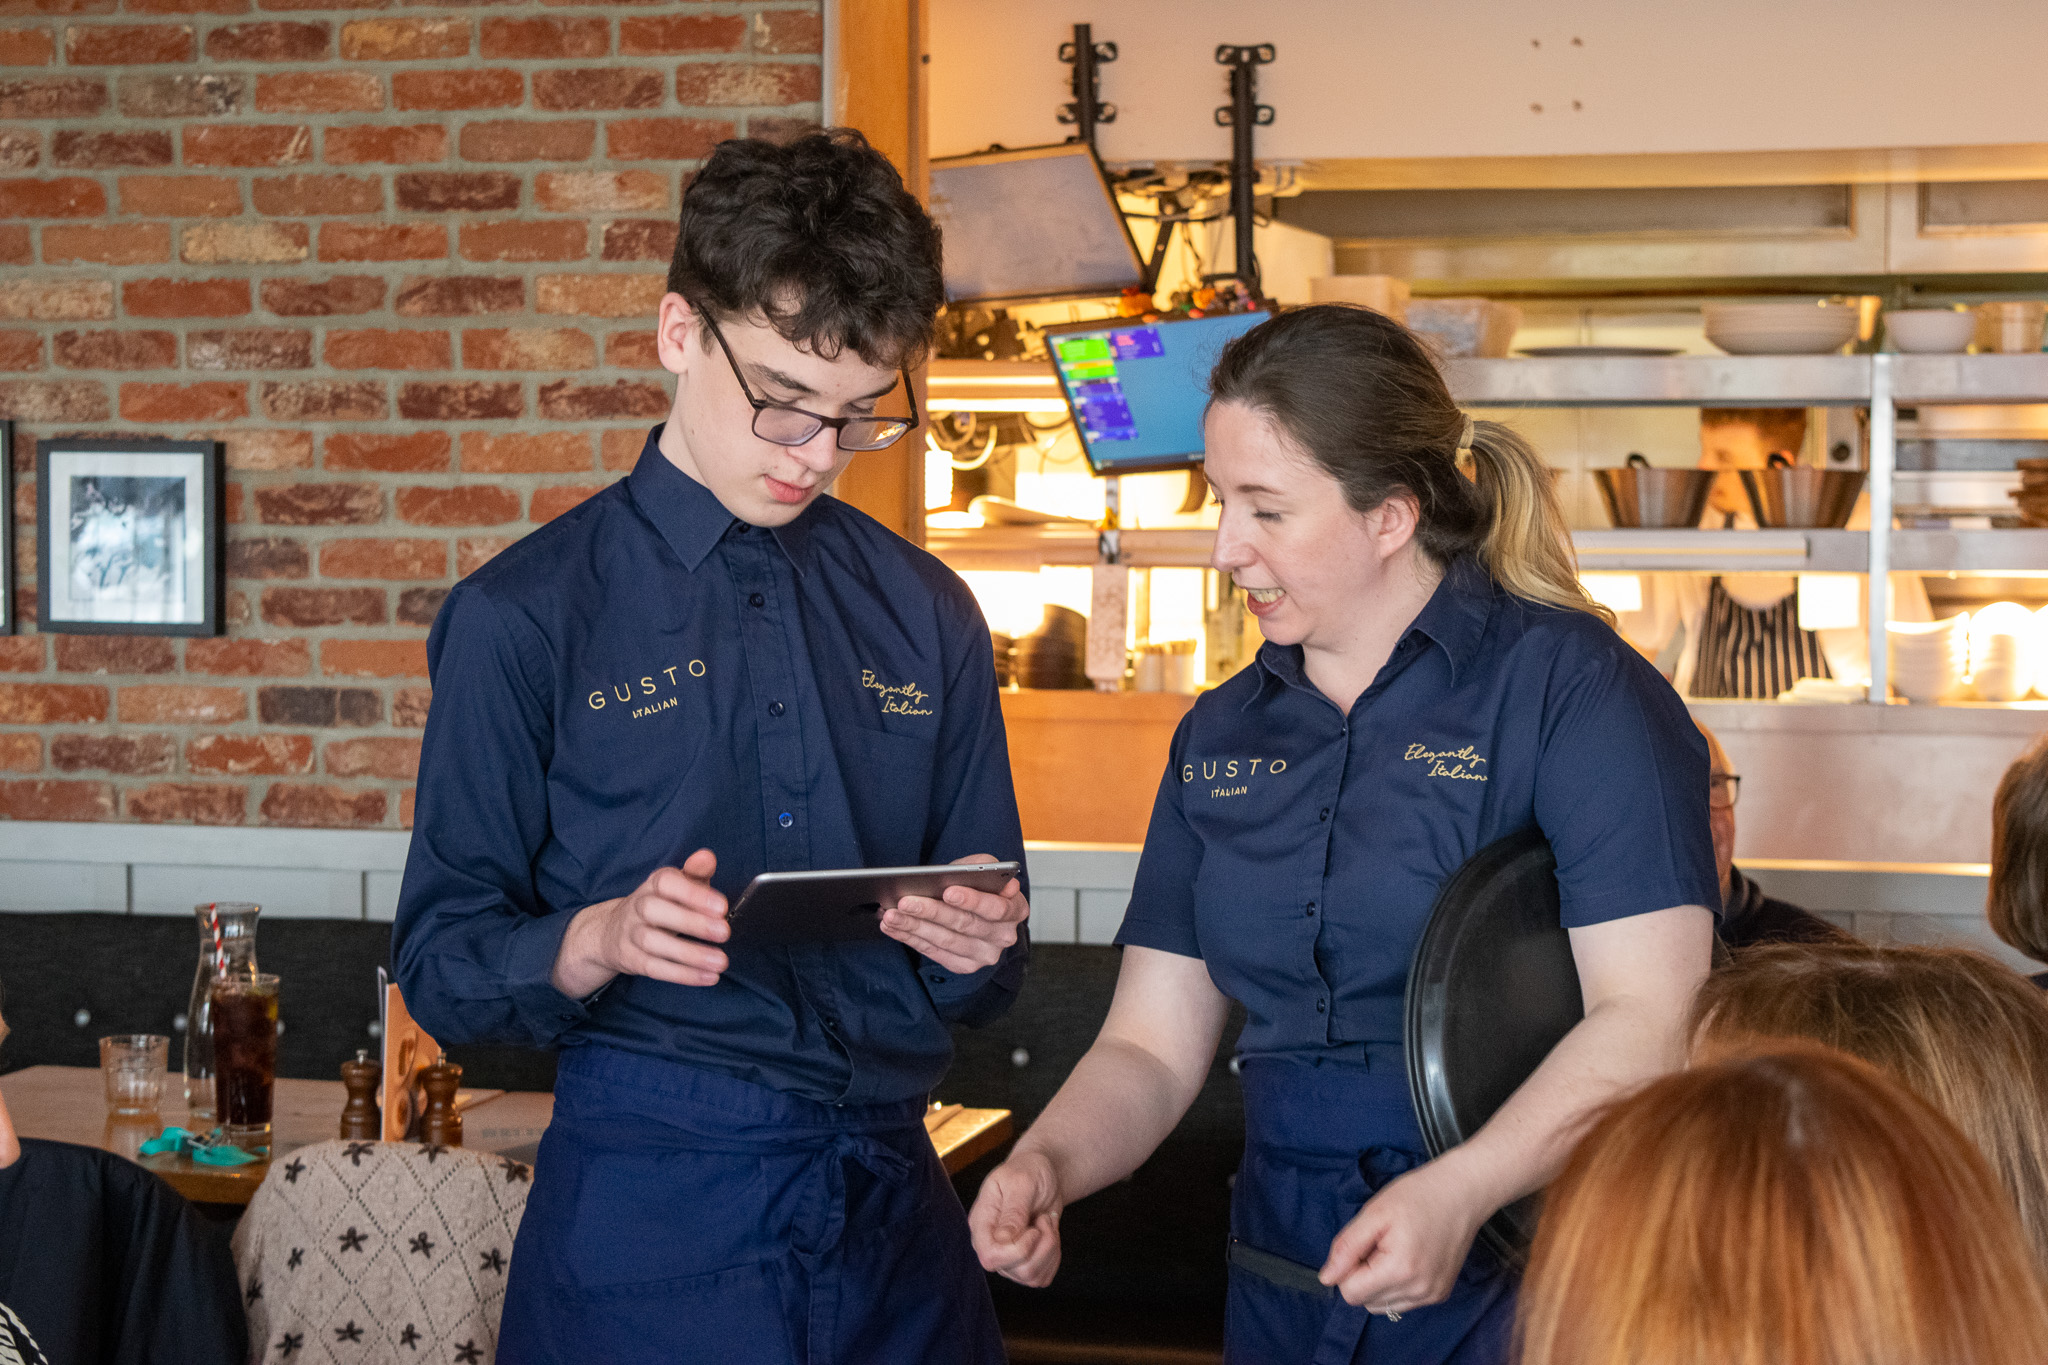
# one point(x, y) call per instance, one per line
point(207, 1149)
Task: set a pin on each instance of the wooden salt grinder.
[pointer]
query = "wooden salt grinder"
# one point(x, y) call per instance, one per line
point(359, 1119)
point(442, 1124)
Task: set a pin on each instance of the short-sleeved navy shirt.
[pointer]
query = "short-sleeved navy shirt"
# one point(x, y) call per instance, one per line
point(646, 676)
point(1298, 850)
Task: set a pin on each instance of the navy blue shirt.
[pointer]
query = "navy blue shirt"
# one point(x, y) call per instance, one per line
point(647, 675)
point(1298, 850)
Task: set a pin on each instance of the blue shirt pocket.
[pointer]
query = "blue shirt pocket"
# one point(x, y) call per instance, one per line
point(896, 770)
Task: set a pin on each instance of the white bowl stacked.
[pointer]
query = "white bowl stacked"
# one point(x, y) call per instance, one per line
point(1930, 331)
point(2001, 651)
point(1781, 328)
point(1928, 660)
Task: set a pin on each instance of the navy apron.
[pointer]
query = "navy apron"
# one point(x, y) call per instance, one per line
point(680, 1216)
point(1319, 1141)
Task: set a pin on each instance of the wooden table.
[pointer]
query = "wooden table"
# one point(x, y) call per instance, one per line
point(68, 1104)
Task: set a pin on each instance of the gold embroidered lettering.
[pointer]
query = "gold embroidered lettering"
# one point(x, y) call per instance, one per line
point(597, 700)
point(647, 686)
point(696, 668)
point(622, 693)
point(1255, 766)
point(1208, 769)
point(1230, 768)
point(1277, 766)
point(671, 675)
point(1456, 765)
point(900, 699)
point(1187, 772)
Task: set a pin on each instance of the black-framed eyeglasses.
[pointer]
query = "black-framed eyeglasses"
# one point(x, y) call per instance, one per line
point(788, 426)
point(1722, 789)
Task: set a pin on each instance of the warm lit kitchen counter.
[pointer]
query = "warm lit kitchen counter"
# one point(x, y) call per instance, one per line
point(1087, 764)
point(1870, 784)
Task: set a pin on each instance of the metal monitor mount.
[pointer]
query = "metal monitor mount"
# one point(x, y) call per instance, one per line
point(1241, 115)
point(1085, 55)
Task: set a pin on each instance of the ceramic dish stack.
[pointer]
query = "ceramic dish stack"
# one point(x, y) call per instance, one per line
point(2001, 651)
point(1928, 659)
point(2032, 494)
point(1930, 331)
point(1781, 328)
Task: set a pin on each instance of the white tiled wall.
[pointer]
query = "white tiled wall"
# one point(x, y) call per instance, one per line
point(1077, 895)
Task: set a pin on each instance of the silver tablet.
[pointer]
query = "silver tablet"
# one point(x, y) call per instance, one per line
point(844, 905)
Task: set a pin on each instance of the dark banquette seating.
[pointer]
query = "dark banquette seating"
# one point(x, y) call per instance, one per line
point(1142, 1276)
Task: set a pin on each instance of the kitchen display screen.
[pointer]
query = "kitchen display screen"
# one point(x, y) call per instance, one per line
point(1137, 389)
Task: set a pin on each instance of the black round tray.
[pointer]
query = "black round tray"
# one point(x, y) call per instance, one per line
point(1491, 990)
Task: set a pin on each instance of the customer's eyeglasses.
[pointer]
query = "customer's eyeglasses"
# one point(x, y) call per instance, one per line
point(1722, 789)
point(788, 426)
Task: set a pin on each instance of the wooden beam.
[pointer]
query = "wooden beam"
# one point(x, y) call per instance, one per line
point(880, 86)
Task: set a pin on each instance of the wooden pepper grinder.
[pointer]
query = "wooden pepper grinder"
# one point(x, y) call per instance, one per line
point(442, 1122)
point(359, 1117)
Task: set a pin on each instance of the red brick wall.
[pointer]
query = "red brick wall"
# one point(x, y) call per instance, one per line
point(404, 262)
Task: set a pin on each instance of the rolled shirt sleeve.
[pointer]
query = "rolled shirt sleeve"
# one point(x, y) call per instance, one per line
point(1162, 910)
point(974, 807)
point(474, 944)
point(1621, 791)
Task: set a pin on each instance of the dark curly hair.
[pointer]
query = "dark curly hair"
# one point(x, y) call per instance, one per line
point(820, 235)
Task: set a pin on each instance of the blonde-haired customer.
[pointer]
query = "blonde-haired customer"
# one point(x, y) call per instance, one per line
point(1961, 1031)
point(1787, 1208)
point(2017, 903)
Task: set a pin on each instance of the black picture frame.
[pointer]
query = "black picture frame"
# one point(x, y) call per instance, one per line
point(9, 578)
point(189, 602)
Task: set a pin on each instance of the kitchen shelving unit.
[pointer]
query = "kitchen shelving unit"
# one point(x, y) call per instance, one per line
point(1883, 383)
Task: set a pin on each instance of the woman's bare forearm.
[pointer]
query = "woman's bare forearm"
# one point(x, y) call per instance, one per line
point(1137, 1080)
point(1631, 1034)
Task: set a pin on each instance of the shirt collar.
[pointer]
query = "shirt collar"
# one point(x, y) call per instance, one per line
point(1454, 619)
point(691, 518)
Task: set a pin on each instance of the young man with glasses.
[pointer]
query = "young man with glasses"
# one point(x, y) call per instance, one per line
point(708, 671)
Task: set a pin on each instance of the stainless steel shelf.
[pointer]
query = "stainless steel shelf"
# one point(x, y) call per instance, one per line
point(2007, 551)
point(1723, 551)
point(1970, 379)
point(1683, 380)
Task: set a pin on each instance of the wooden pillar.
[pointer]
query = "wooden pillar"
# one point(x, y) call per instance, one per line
point(879, 85)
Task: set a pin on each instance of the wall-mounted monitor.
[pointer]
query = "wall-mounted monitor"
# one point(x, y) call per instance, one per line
point(1032, 224)
point(1137, 389)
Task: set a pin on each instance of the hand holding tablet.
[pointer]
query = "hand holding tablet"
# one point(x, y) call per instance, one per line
point(949, 907)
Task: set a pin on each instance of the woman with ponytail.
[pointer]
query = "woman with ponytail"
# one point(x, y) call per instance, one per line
point(1433, 680)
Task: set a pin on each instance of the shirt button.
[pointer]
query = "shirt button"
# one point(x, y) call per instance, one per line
point(776, 708)
point(785, 819)
point(1311, 909)
point(1323, 814)
point(1322, 1006)
point(757, 600)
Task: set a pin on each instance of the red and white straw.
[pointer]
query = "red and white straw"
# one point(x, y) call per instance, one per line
point(220, 950)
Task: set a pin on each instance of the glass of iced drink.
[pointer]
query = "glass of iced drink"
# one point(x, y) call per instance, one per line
point(245, 1056)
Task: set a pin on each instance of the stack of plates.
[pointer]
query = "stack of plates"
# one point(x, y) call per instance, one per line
point(1781, 328)
point(2002, 651)
point(1002, 644)
point(1055, 655)
point(1928, 660)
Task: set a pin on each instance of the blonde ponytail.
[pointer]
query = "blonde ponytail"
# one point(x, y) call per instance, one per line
point(1528, 546)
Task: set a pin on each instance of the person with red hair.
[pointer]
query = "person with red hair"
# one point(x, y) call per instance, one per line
point(1790, 1207)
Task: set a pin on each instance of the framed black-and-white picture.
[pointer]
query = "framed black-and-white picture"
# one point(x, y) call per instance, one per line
point(128, 537)
point(7, 574)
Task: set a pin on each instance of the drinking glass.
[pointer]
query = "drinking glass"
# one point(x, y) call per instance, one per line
point(132, 1067)
point(227, 946)
point(244, 1056)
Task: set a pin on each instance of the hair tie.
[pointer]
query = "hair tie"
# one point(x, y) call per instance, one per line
point(1465, 440)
